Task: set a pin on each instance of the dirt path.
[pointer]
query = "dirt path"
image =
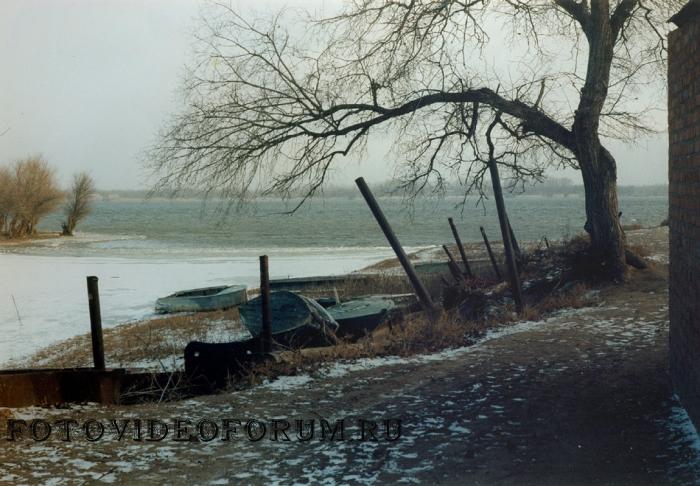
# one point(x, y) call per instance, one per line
point(580, 398)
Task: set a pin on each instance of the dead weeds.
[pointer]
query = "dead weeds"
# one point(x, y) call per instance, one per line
point(131, 344)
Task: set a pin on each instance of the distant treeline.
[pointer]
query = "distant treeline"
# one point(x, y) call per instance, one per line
point(550, 187)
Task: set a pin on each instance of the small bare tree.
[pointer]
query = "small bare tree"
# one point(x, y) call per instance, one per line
point(264, 107)
point(7, 198)
point(79, 203)
point(36, 194)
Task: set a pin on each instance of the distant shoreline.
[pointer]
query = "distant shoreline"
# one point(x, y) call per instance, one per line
point(27, 241)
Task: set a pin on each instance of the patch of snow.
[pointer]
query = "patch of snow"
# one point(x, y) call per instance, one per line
point(458, 429)
point(283, 383)
point(686, 445)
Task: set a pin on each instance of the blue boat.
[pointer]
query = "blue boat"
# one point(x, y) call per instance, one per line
point(204, 299)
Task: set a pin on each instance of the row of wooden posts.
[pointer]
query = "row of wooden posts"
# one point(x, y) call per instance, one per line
point(509, 243)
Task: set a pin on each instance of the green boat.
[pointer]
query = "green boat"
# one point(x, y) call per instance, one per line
point(297, 321)
point(204, 299)
point(357, 317)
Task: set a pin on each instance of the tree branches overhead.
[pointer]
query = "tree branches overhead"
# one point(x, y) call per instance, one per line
point(273, 104)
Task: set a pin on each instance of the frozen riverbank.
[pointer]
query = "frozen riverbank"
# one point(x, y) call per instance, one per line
point(51, 298)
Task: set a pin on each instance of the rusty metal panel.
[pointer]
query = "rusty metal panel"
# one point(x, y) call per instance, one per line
point(19, 388)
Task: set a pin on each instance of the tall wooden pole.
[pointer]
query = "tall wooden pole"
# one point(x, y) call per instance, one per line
point(506, 234)
point(421, 292)
point(266, 333)
point(462, 253)
point(98, 349)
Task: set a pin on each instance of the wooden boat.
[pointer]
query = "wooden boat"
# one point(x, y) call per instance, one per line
point(204, 299)
point(297, 321)
point(357, 317)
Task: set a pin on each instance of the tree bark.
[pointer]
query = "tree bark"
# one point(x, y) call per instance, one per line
point(602, 215)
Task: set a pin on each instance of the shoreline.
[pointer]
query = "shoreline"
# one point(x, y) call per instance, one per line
point(45, 300)
point(46, 303)
point(51, 353)
point(5, 241)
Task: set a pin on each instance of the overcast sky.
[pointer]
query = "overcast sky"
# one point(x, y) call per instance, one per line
point(88, 83)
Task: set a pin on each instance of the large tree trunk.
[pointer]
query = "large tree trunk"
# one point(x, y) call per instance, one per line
point(602, 215)
point(596, 163)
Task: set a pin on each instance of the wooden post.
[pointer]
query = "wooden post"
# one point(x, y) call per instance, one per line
point(266, 333)
point(488, 249)
point(462, 253)
point(506, 234)
point(420, 290)
point(516, 247)
point(452, 265)
point(98, 350)
point(546, 242)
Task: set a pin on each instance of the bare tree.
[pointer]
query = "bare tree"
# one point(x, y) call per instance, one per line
point(79, 203)
point(7, 198)
point(36, 194)
point(273, 112)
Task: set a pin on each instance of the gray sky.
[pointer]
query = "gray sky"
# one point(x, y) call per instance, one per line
point(88, 83)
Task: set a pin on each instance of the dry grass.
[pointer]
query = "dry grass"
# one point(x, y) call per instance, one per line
point(574, 298)
point(639, 250)
point(390, 263)
point(416, 335)
point(5, 240)
point(160, 338)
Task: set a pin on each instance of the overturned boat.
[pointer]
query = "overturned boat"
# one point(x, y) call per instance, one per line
point(204, 299)
point(297, 321)
point(357, 317)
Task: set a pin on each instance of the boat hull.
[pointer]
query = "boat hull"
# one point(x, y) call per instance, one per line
point(358, 317)
point(202, 300)
point(297, 321)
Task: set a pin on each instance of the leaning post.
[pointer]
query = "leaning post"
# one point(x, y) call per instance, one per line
point(420, 290)
point(462, 253)
point(506, 234)
point(452, 265)
point(266, 333)
point(98, 350)
point(490, 252)
point(516, 247)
